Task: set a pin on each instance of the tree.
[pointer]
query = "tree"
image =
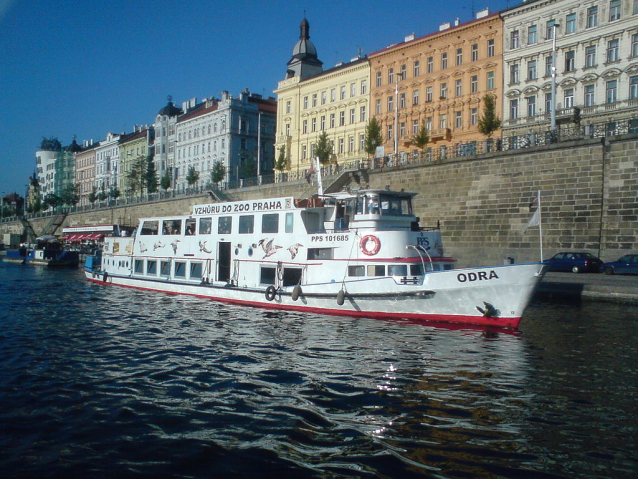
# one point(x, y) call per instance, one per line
point(218, 173)
point(248, 168)
point(70, 194)
point(421, 139)
point(93, 195)
point(489, 122)
point(151, 176)
point(52, 201)
point(137, 177)
point(282, 162)
point(50, 144)
point(165, 181)
point(323, 150)
point(102, 194)
point(373, 136)
point(192, 176)
point(114, 192)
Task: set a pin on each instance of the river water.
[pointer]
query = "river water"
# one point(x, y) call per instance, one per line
point(111, 382)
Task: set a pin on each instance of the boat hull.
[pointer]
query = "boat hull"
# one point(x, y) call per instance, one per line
point(490, 296)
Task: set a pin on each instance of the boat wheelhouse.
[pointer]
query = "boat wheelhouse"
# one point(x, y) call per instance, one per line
point(357, 253)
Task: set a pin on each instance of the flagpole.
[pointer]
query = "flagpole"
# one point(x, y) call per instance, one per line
point(540, 224)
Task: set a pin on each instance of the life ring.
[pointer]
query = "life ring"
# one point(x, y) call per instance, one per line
point(370, 245)
point(271, 292)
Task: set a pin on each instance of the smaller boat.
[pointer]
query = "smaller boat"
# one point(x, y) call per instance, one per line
point(48, 254)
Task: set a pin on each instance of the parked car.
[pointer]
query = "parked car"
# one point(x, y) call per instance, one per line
point(628, 264)
point(576, 262)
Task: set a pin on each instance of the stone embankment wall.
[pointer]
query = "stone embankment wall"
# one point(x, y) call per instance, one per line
point(589, 200)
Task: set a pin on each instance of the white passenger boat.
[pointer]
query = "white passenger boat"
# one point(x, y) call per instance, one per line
point(355, 253)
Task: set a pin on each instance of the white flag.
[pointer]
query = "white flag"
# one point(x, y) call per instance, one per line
point(534, 220)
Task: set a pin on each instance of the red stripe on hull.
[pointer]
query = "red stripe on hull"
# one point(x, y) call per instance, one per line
point(448, 320)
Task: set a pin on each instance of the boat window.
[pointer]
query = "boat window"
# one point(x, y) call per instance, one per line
point(224, 225)
point(190, 226)
point(395, 205)
point(289, 222)
point(356, 271)
point(397, 270)
point(417, 269)
point(320, 253)
point(172, 227)
point(267, 275)
point(246, 224)
point(139, 266)
point(376, 270)
point(196, 271)
point(180, 269)
point(205, 226)
point(149, 228)
point(151, 267)
point(165, 268)
point(292, 276)
point(270, 223)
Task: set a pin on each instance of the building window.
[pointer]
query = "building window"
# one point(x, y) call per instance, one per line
point(379, 81)
point(490, 80)
point(443, 121)
point(430, 67)
point(514, 109)
point(568, 97)
point(362, 114)
point(404, 72)
point(459, 56)
point(514, 39)
point(314, 100)
point(305, 102)
point(342, 118)
point(415, 97)
point(428, 94)
point(458, 119)
point(458, 87)
point(304, 152)
point(287, 109)
point(490, 48)
point(531, 70)
point(548, 66)
point(313, 123)
point(531, 106)
point(612, 51)
point(352, 116)
point(633, 88)
point(377, 106)
point(342, 93)
point(324, 97)
point(614, 10)
point(332, 119)
point(474, 52)
point(443, 90)
point(364, 87)
point(391, 75)
point(634, 44)
point(570, 23)
point(417, 68)
point(590, 56)
point(592, 17)
point(415, 126)
point(589, 95)
point(549, 31)
point(304, 128)
point(612, 91)
point(514, 73)
point(548, 103)
point(474, 84)
point(570, 61)
point(402, 129)
point(443, 61)
point(402, 100)
point(353, 89)
point(428, 123)
point(350, 144)
point(473, 116)
point(323, 122)
point(390, 103)
point(531, 35)
point(389, 132)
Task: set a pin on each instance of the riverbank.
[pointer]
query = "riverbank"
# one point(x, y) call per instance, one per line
point(589, 287)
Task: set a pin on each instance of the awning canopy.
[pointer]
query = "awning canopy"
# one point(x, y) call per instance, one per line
point(76, 238)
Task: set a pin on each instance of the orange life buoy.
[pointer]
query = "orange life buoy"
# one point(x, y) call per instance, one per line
point(370, 245)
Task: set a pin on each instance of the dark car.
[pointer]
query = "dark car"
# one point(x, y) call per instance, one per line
point(574, 262)
point(628, 264)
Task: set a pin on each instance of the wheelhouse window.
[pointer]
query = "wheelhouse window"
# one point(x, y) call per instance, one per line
point(395, 205)
point(190, 226)
point(376, 270)
point(180, 269)
point(397, 270)
point(246, 224)
point(267, 275)
point(320, 253)
point(270, 223)
point(356, 270)
point(292, 276)
point(149, 228)
point(172, 227)
point(224, 225)
point(165, 268)
point(139, 266)
point(196, 271)
point(289, 222)
point(151, 267)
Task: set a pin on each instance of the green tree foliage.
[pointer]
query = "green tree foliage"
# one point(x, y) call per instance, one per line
point(93, 196)
point(218, 173)
point(192, 176)
point(70, 194)
point(165, 181)
point(323, 149)
point(151, 176)
point(50, 144)
point(489, 122)
point(421, 139)
point(102, 195)
point(282, 162)
point(138, 176)
point(373, 136)
point(249, 168)
point(114, 192)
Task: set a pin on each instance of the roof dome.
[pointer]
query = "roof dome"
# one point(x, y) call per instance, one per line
point(170, 109)
point(304, 48)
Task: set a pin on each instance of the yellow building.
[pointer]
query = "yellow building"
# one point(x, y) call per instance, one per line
point(438, 81)
point(311, 101)
point(133, 149)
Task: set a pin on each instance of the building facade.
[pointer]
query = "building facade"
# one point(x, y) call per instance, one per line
point(596, 76)
point(133, 153)
point(85, 172)
point(438, 81)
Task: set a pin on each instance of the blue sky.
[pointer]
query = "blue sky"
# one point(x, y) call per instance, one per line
point(86, 68)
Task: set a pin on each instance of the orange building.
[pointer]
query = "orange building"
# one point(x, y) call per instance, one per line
point(438, 81)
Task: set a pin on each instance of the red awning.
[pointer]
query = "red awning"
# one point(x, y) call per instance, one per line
point(95, 236)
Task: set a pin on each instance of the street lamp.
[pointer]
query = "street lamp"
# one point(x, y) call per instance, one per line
point(553, 102)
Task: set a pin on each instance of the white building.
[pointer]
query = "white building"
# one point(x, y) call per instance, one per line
point(107, 159)
point(45, 165)
point(596, 65)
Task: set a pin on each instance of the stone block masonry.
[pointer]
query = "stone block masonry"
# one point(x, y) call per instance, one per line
point(589, 200)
